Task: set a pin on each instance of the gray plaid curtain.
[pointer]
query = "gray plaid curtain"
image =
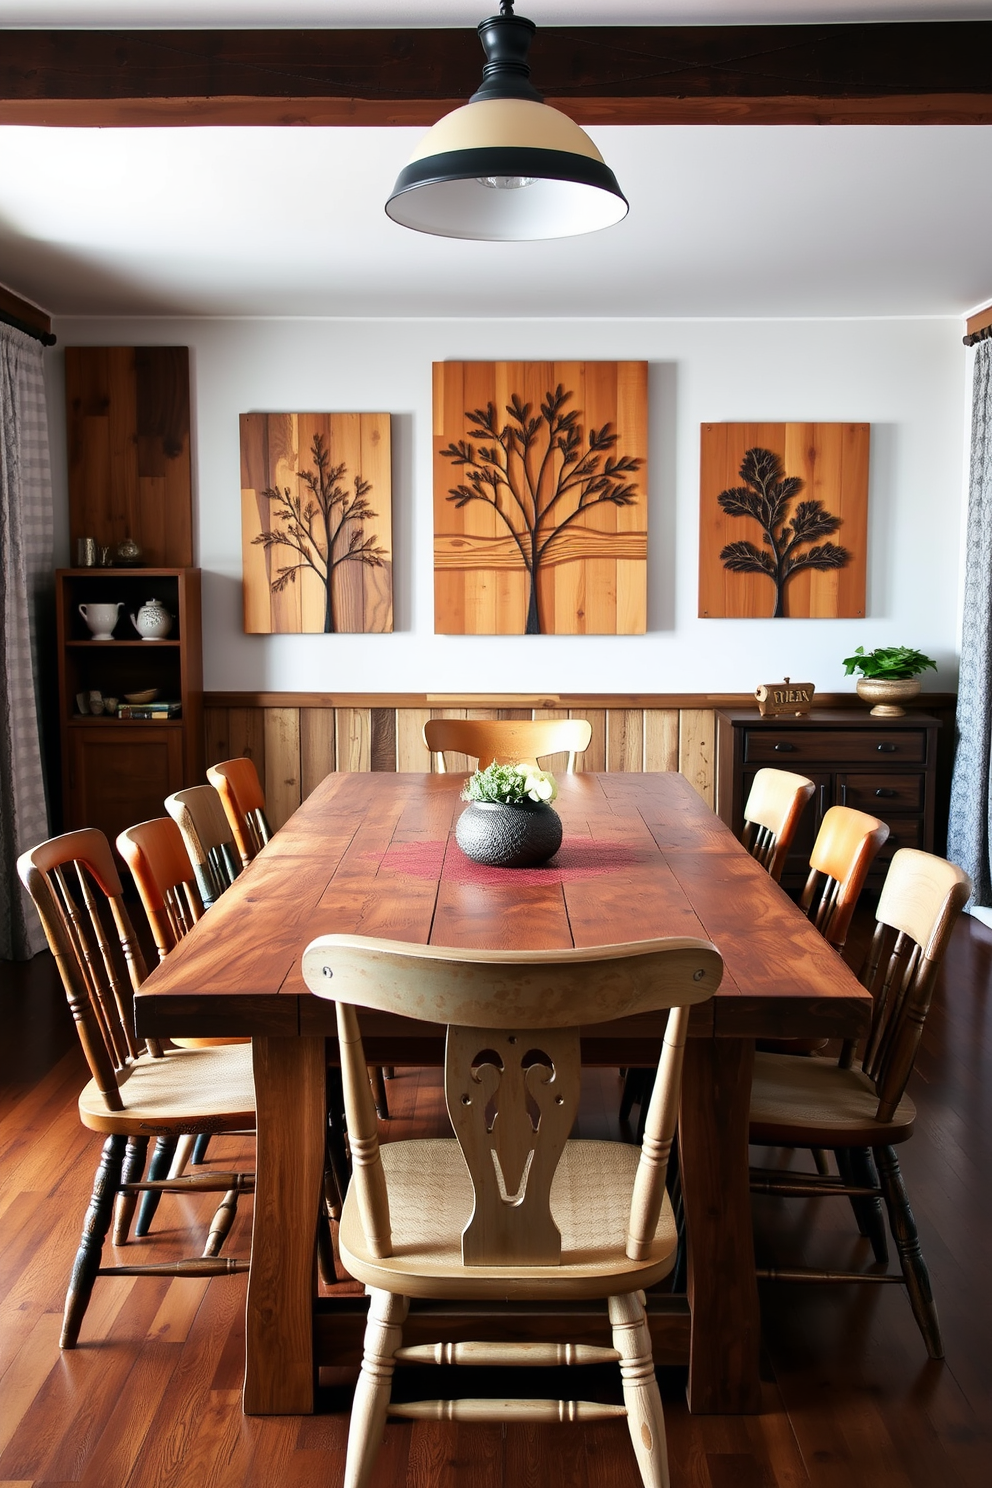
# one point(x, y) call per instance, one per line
point(25, 573)
point(970, 828)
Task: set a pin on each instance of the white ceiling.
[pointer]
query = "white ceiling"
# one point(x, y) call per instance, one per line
point(733, 221)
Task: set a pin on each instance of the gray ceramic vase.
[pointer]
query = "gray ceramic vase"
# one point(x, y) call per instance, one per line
point(502, 836)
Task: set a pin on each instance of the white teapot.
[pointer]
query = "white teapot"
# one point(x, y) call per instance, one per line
point(153, 621)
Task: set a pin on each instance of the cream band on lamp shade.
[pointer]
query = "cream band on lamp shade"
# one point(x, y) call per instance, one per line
point(505, 167)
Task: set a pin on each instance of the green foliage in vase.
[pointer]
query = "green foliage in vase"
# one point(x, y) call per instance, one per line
point(888, 663)
point(511, 785)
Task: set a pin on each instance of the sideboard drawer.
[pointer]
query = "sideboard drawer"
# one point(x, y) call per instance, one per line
point(791, 747)
point(879, 794)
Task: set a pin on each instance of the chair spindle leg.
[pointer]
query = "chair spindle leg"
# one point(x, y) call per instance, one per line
point(865, 1175)
point(134, 1167)
point(383, 1336)
point(158, 1168)
point(904, 1232)
point(645, 1417)
point(95, 1227)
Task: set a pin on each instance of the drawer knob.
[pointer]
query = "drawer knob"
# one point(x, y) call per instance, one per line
point(784, 748)
point(886, 748)
point(884, 791)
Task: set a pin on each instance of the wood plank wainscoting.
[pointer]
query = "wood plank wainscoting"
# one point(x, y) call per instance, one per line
point(295, 739)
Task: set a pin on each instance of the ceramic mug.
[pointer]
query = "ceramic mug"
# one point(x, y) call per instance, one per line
point(101, 619)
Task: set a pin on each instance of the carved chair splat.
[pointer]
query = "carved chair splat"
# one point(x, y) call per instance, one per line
point(509, 1207)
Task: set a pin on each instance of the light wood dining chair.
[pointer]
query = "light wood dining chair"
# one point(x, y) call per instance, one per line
point(864, 1112)
point(509, 1208)
point(137, 1090)
point(200, 817)
point(774, 806)
point(508, 741)
point(236, 782)
point(845, 848)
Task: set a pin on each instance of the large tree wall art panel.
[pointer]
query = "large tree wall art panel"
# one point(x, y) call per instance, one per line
point(316, 522)
point(783, 520)
point(540, 498)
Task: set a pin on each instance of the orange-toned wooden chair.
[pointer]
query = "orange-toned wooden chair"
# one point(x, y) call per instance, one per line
point(508, 741)
point(845, 848)
point(200, 817)
point(156, 856)
point(509, 1208)
point(137, 1089)
point(236, 782)
point(775, 804)
point(862, 1113)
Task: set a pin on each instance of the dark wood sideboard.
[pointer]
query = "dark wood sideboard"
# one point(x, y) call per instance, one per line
point(885, 766)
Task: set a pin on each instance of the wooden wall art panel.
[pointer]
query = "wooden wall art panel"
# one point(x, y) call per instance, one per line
point(540, 498)
point(316, 522)
point(783, 527)
point(127, 410)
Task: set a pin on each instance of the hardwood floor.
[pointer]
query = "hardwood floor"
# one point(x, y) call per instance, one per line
point(151, 1398)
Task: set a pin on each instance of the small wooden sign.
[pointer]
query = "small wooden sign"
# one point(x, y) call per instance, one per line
point(795, 698)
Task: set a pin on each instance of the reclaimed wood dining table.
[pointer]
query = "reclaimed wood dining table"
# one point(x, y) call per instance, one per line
point(643, 855)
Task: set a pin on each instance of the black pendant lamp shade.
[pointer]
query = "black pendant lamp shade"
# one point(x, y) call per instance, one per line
point(506, 167)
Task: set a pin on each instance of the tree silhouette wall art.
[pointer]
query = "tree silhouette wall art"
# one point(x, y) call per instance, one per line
point(316, 524)
point(540, 498)
point(773, 499)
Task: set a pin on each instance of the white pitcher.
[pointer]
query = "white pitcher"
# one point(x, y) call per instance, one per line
point(101, 619)
point(153, 621)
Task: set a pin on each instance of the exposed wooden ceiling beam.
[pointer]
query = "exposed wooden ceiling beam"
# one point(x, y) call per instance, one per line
point(897, 73)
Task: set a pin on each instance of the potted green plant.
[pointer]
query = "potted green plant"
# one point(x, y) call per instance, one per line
point(889, 677)
point(510, 821)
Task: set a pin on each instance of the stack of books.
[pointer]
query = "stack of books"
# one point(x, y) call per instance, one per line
point(157, 710)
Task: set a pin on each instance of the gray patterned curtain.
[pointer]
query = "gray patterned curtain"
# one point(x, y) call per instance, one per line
point(25, 572)
point(970, 828)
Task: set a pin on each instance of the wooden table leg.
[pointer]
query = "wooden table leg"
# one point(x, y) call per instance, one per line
point(290, 1106)
point(723, 1292)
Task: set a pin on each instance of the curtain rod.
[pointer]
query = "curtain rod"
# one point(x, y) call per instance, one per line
point(985, 334)
point(45, 337)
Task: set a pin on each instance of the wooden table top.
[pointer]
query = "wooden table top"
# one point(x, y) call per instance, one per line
point(643, 856)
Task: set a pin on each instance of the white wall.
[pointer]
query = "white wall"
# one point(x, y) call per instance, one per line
point(907, 378)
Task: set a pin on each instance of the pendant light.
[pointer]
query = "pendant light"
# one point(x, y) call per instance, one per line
point(506, 167)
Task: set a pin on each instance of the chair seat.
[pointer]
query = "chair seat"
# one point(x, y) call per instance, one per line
point(430, 1203)
point(814, 1103)
point(189, 1090)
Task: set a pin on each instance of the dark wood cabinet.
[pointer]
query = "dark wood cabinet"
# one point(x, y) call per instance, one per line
point(884, 766)
point(118, 771)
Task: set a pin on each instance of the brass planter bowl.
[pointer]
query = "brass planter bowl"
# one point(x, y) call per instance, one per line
point(888, 694)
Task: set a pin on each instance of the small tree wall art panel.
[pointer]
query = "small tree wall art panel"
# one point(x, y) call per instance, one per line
point(783, 520)
point(540, 498)
point(316, 522)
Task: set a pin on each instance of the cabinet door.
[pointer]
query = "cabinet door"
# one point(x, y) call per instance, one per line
point(120, 774)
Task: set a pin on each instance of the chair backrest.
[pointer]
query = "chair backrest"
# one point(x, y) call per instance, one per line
point(73, 881)
point(845, 848)
point(920, 902)
point(199, 815)
point(774, 806)
point(509, 741)
point(236, 782)
point(511, 1068)
point(155, 853)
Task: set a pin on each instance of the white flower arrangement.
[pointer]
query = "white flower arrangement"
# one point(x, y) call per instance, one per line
point(511, 785)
